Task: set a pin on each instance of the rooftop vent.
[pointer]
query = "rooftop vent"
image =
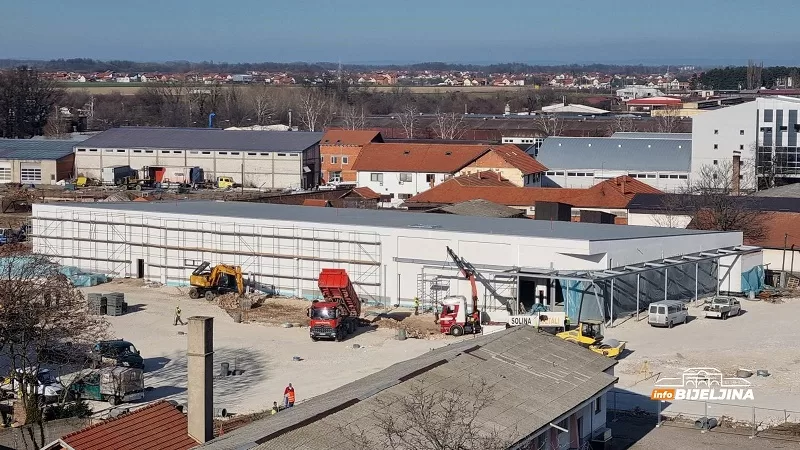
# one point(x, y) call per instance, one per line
point(448, 153)
point(406, 152)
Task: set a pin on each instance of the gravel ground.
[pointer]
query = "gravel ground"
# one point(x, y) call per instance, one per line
point(765, 336)
point(264, 352)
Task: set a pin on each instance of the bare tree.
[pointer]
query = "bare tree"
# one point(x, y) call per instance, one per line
point(263, 104)
point(549, 125)
point(353, 118)
point(26, 101)
point(668, 120)
point(431, 418)
point(315, 109)
point(409, 119)
point(40, 311)
point(712, 202)
point(621, 124)
point(448, 126)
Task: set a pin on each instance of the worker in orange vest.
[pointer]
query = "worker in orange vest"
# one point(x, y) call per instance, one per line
point(288, 396)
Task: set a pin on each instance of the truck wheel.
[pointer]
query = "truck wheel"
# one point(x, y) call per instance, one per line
point(669, 325)
point(724, 316)
point(194, 293)
point(456, 330)
point(210, 296)
point(352, 327)
point(113, 400)
point(314, 338)
point(339, 334)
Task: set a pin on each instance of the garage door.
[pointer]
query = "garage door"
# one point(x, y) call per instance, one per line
point(5, 172)
point(30, 173)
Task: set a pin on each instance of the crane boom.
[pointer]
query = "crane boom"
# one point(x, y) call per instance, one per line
point(469, 272)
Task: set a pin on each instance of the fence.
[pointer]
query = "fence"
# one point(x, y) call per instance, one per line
point(731, 418)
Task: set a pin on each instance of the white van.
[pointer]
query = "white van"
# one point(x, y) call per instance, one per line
point(667, 313)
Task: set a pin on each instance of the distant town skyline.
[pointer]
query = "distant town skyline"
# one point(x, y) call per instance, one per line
point(707, 33)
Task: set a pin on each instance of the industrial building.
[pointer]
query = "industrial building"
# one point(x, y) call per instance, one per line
point(573, 162)
point(36, 161)
point(392, 256)
point(259, 159)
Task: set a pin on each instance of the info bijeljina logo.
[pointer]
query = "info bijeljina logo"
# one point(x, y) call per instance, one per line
point(702, 383)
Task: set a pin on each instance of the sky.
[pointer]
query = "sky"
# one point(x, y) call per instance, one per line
point(703, 32)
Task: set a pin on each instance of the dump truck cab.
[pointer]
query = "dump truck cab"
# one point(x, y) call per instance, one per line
point(337, 315)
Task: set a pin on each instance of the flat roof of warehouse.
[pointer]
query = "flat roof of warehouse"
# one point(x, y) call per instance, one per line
point(391, 219)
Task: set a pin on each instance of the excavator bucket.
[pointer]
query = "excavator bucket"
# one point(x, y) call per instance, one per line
point(201, 268)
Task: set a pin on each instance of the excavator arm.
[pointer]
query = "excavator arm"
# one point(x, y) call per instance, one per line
point(234, 271)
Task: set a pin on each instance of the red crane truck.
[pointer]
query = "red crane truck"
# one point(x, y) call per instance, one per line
point(337, 314)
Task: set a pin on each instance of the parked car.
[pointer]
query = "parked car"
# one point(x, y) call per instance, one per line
point(667, 313)
point(114, 385)
point(723, 307)
point(47, 386)
point(117, 352)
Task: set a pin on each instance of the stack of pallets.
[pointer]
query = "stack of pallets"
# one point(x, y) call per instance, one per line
point(116, 305)
point(96, 307)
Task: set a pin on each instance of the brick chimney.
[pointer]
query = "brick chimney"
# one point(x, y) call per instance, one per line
point(736, 171)
point(201, 382)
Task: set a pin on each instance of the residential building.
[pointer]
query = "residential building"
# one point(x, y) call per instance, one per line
point(635, 91)
point(575, 162)
point(398, 171)
point(649, 104)
point(339, 150)
point(479, 208)
point(511, 162)
point(260, 159)
point(610, 196)
point(159, 425)
point(31, 161)
point(538, 403)
point(762, 133)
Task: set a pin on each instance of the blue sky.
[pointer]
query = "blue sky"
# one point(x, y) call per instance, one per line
point(358, 31)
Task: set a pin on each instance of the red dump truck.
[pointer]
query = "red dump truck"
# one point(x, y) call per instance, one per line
point(337, 315)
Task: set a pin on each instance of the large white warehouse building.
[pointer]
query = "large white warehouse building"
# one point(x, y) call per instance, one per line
point(395, 256)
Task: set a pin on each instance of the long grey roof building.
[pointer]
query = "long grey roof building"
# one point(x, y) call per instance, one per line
point(27, 149)
point(613, 153)
point(202, 139)
point(535, 380)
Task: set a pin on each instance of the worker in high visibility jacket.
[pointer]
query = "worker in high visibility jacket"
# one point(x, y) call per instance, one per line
point(288, 396)
point(416, 306)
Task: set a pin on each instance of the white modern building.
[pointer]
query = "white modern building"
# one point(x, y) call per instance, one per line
point(635, 91)
point(579, 162)
point(763, 133)
point(260, 159)
point(394, 256)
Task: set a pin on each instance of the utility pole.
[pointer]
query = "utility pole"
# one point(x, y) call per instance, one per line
point(783, 261)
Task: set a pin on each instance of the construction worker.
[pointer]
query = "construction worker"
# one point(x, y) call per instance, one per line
point(178, 316)
point(274, 408)
point(288, 396)
point(416, 306)
point(566, 323)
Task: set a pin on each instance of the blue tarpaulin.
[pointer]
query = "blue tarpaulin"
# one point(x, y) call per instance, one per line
point(753, 280)
point(31, 267)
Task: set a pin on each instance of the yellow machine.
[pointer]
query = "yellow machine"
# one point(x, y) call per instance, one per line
point(224, 182)
point(589, 334)
point(221, 279)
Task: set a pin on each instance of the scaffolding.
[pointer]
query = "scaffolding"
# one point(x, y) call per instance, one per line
point(282, 260)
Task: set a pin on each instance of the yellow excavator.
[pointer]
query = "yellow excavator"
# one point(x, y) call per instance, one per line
point(589, 334)
point(208, 282)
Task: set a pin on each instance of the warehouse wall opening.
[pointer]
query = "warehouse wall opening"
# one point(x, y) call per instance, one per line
point(139, 268)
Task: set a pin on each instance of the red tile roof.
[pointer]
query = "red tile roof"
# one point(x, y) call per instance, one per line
point(407, 157)
point(778, 225)
point(614, 193)
point(157, 426)
point(350, 137)
point(365, 192)
point(519, 159)
point(316, 202)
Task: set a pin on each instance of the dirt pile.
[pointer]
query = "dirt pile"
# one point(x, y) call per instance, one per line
point(265, 309)
point(417, 327)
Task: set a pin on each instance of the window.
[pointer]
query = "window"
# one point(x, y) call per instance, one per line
point(387, 197)
point(551, 173)
point(265, 154)
point(180, 152)
point(404, 196)
point(30, 175)
point(598, 405)
point(108, 150)
point(194, 152)
point(206, 153)
point(741, 132)
point(571, 174)
point(120, 151)
point(430, 178)
point(81, 149)
point(251, 154)
point(675, 177)
point(662, 176)
point(589, 174)
point(716, 146)
point(221, 153)
point(405, 177)
point(235, 153)
point(768, 115)
point(137, 151)
point(345, 160)
point(322, 158)
point(92, 149)
point(281, 154)
point(378, 177)
point(148, 151)
point(164, 151)
point(714, 176)
point(334, 159)
point(715, 162)
point(741, 146)
point(716, 131)
point(332, 175)
point(651, 175)
point(5, 173)
point(559, 173)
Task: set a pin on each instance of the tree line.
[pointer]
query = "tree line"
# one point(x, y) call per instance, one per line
point(737, 77)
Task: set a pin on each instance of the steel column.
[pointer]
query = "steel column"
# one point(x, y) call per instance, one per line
point(638, 279)
point(612, 303)
point(696, 270)
point(666, 277)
